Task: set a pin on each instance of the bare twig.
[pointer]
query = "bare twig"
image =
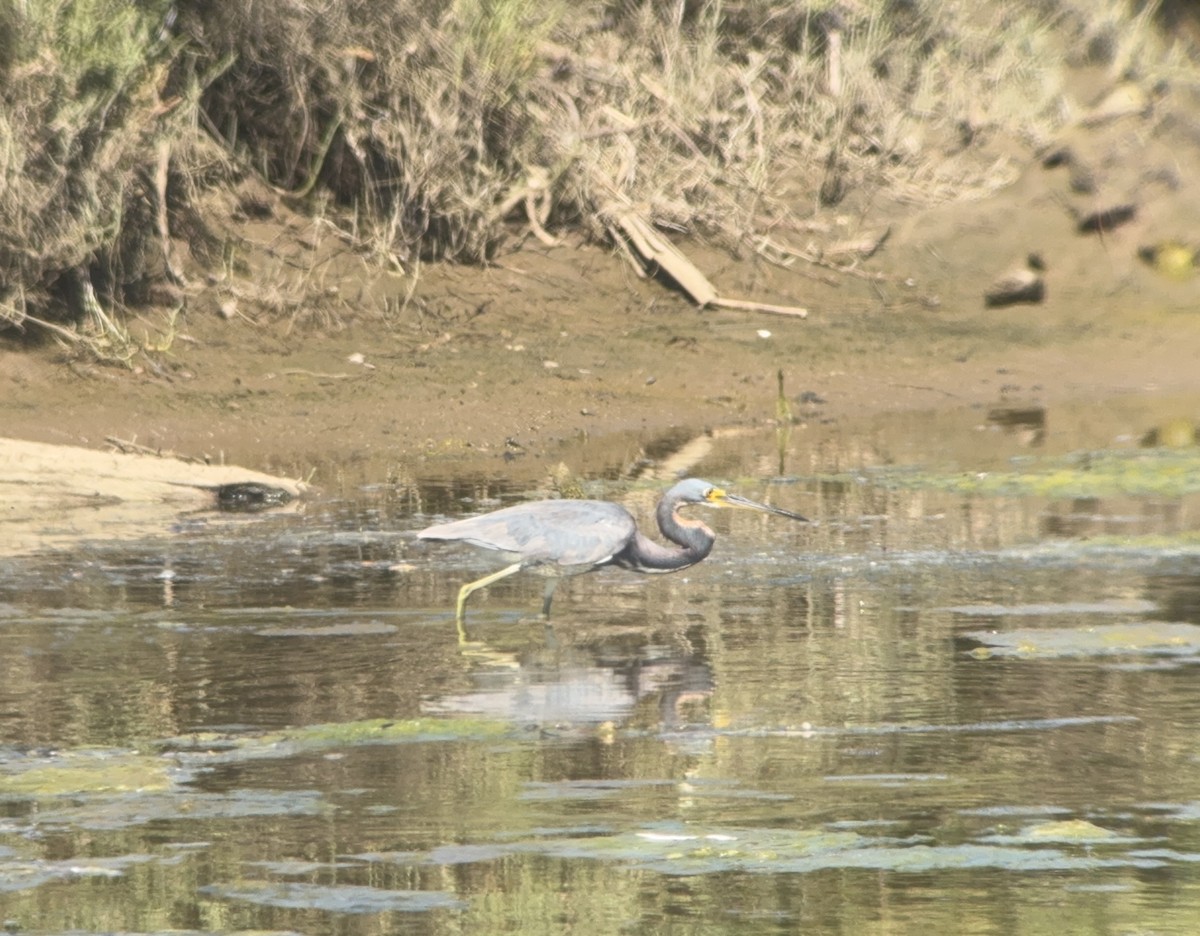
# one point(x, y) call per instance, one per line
point(128, 446)
point(782, 254)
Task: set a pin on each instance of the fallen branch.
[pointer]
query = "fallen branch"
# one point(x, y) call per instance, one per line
point(751, 305)
point(653, 248)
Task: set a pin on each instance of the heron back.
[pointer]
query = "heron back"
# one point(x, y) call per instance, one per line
point(564, 532)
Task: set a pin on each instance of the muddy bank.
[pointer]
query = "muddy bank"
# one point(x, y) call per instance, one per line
point(56, 495)
point(507, 369)
point(518, 385)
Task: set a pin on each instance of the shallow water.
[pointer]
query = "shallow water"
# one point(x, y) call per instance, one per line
point(937, 708)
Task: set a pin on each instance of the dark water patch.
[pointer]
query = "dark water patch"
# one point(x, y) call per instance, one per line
point(722, 790)
point(587, 789)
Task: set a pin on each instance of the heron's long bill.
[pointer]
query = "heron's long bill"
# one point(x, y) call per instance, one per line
point(724, 499)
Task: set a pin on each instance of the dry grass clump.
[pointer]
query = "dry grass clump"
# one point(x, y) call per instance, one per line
point(80, 115)
point(439, 128)
point(442, 122)
point(417, 115)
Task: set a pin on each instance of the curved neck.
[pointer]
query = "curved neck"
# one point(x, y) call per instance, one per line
point(693, 542)
point(645, 555)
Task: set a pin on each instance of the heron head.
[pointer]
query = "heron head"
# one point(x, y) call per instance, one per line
point(696, 491)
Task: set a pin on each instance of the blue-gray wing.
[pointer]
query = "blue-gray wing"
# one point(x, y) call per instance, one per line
point(566, 532)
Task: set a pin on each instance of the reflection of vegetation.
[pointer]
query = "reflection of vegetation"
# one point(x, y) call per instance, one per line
point(337, 899)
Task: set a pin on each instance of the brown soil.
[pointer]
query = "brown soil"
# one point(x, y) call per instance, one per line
point(507, 369)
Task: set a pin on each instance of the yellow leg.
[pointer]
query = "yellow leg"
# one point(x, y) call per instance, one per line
point(551, 585)
point(466, 590)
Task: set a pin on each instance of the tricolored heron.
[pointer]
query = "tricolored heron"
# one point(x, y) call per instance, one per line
point(569, 537)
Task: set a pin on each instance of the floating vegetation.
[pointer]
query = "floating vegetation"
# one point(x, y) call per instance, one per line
point(203, 748)
point(1143, 637)
point(1064, 831)
point(84, 771)
point(1145, 472)
point(173, 761)
point(138, 809)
